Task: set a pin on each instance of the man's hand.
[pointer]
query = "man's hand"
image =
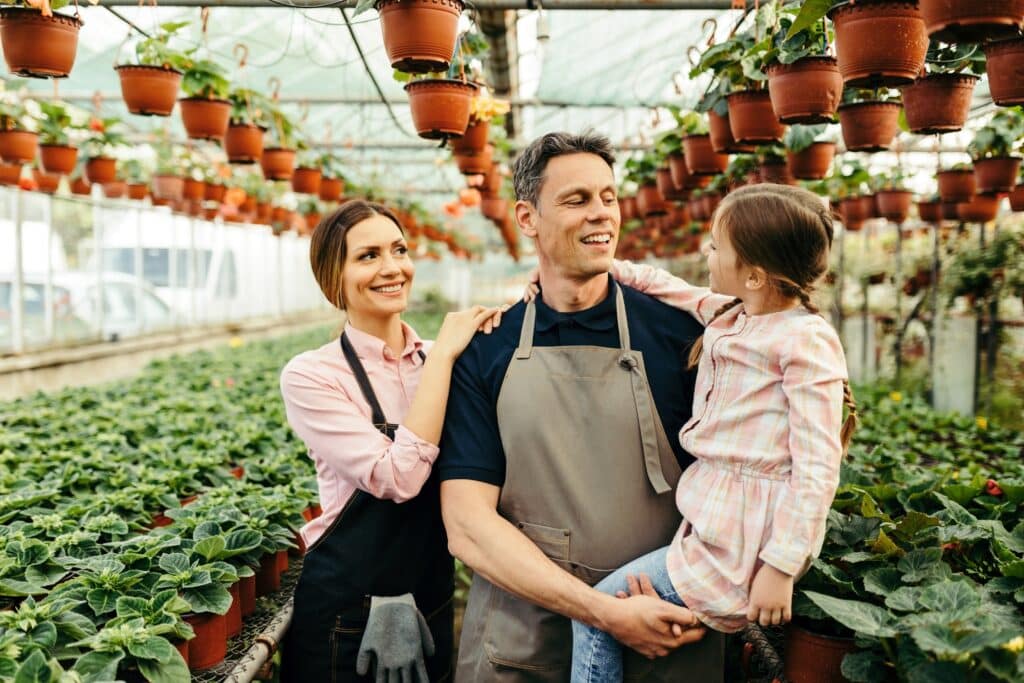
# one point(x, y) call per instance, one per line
point(771, 597)
point(645, 624)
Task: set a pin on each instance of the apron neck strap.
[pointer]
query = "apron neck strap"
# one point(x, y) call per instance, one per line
point(530, 318)
point(620, 318)
point(379, 421)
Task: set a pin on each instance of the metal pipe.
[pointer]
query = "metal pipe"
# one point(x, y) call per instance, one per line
point(137, 266)
point(18, 289)
point(97, 236)
point(263, 648)
point(477, 4)
point(49, 322)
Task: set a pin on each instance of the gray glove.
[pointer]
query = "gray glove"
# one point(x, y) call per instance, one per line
point(397, 638)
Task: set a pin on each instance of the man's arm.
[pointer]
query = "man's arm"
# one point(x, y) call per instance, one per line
point(503, 555)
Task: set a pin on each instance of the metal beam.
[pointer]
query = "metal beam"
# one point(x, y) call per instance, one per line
point(478, 4)
point(499, 27)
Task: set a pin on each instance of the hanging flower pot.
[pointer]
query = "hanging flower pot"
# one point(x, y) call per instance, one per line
point(214, 192)
point(209, 647)
point(996, 174)
point(701, 157)
point(721, 136)
point(168, 187)
point(930, 212)
point(494, 208)
point(812, 163)
point(205, 118)
point(277, 163)
point(58, 159)
point(101, 170)
point(18, 146)
point(310, 221)
point(752, 118)
point(807, 91)
point(306, 180)
point(666, 187)
point(982, 208)
point(115, 190)
point(949, 212)
point(696, 207)
point(46, 182)
point(474, 141)
point(710, 202)
point(419, 35)
point(972, 21)
point(440, 107)
point(894, 204)
point(243, 143)
point(1004, 64)
point(149, 90)
point(956, 185)
point(938, 103)
point(853, 211)
point(475, 164)
point(80, 186)
point(331, 189)
point(677, 170)
point(866, 59)
point(813, 658)
point(649, 201)
point(869, 126)
point(10, 174)
point(137, 191)
point(627, 208)
point(1017, 198)
point(263, 212)
point(36, 46)
point(193, 190)
point(776, 171)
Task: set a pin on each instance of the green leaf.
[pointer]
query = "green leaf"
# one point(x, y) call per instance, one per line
point(129, 606)
point(175, 563)
point(861, 617)
point(75, 626)
point(882, 581)
point(209, 598)
point(210, 547)
point(903, 599)
point(811, 12)
point(35, 669)
point(864, 667)
point(172, 670)
point(44, 635)
point(98, 666)
point(883, 545)
point(1014, 569)
point(241, 541)
point(154, 647)
point(952, 598)
point(937, 672)
point(957, 513)
point(961, 493)
point(914, 523)
point(102, 600)
point(919, 564)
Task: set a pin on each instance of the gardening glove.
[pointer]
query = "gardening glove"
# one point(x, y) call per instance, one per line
point(397, 638)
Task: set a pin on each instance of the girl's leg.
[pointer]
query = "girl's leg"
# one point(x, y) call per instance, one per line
point(597, 656)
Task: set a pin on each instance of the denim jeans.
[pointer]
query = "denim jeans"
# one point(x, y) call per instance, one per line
point(597, 656)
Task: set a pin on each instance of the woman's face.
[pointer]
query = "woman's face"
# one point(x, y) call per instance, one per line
point(377, 274)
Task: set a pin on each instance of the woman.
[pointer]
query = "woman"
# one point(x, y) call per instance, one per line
point(370, 408)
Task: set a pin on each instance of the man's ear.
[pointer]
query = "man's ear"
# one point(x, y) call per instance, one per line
point(526, 218)
point(757, 279)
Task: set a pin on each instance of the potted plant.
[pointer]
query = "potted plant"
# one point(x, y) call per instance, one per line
point(419, 35)
point(46, 183)
point(332, 185)
point(722, 63)
point(773, 166)
point(808, 156)
point(891, 196)
point(135, 174)
point(243, 142)
point(981, 208)
point(939, 101)
point(10, 174)
point(1004, 59)
point(104, 137)
point(149, 86)
point(701, 158)
point(18, 139)
point(56, 154)
point(311, 211)
point(38, 43)
point(970, 21)
point(864, 60)
point(992, 151)
point(169, 176)
point(205, 109)
point(278, 160)
point(869, 119)
point(643, 171)
point(751, 117)
point(803, 79)
point(483, 110)
point(930, 210)
point(957, 183)
point(1017, 194)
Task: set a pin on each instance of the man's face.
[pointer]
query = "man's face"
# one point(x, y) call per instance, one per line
point(576, 220)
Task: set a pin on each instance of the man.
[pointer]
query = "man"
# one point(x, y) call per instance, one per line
point(559, 454)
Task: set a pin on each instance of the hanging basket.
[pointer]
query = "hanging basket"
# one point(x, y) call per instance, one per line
point(115, 190)
point(149, 90)
point(972, 21)
point(193, 190)
point(214, 192)
point(812, 163)
point(307, 180)
point(938, 103)
point(678, 170)
point(278, 163)
point(956, 185)
point(1017, 198)
point(440, 107)
point(666, 187)
point(866, 58)
point(777, 171)
point(36, 46)
point(701, 158)
point(101, 170)
point(930, 212)
point(58, 159)
point(18, 146)
point(205, 118)
point(752, 118)
point(474, 141)
point(1005, 69)
point(649, 201)
point(807, 91)
point(138, 191)
point(46, 182)
point(243, 143)
point(869, 126)
point(894, 205)
point(419, 35)
point(10, 174)
point(982, 208)
point(168, 188)
point(475, 164)
point(721, 136)
point(331, 189)
point(996, 174)
point(80, 186)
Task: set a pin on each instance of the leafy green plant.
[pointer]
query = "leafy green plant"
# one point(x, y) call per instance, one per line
point(250, 106)
point(27, 568)
point(204, 78)
point(1000, 137)
point(50, 625)
point(942, 58)
point(104, 137)
point(771, 154)
point(131, 644)
point(202, 585)
point(13, 114)
point(55, 124)
point(798, 38)
point(800, 137)
point(166, 608)
point(643, 169)
point(985, 273)
point(739, 166)
point(155, 50)
point(99, 581)
point(895, 179)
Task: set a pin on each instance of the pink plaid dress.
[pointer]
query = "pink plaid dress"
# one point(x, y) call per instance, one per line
point(767, 413)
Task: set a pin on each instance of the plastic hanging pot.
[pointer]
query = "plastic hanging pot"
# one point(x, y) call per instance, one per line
point(938, 103)
point(956, 185)
point(58, 158)
point(440, 107)
point(80, 186)
point(627, 208)
point(866, 58)
point(168, 187)
point(10, 174)
point(972, 21)
point(894, 205)
point(18, 146)
point(812, 163)
point(649, 201)
point(214, 192)
point(982, 208)
point(331, 189)
point(777, 171)
point(869, 126)
point(306, 180)
point(808, 91)
point(115, 190)
point(701, 157)
point(205, 118)
point(419, 35)
point(193, 190)
point(677, 170)
point(752, 118)
point(996, 174)
point(477, 163)
point(243, 143)
point(278, 163)
point(474, 141)
point(137, 191)
point(666, 187)
point(46, 182)
point(930, 212)
point(149, 90)
point(1005, 69)
point(1017, 197)
point(101, 170)
point(722, 140)
point(36, 46)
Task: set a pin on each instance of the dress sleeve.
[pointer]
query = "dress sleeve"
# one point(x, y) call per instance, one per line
point(333, 427)
point(813, 370)
point(700, 302)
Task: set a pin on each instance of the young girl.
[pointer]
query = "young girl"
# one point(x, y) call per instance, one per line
point(767, 428)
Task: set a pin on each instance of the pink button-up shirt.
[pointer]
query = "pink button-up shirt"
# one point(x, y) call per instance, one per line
point(328, 412)
point(767, 413)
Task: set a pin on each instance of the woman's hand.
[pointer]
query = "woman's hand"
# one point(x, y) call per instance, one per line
point(459, 327)
point(771, 597)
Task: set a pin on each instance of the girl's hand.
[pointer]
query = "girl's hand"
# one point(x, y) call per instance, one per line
point(771, 597)
point(532, 286)
point(459, 327)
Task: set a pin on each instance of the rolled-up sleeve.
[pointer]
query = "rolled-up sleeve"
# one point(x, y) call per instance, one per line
point(813, 370)
point(336, 431)
point(700, 302)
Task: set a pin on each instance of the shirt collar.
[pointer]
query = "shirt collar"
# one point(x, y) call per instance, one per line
point(598, 318)
point(369, 346)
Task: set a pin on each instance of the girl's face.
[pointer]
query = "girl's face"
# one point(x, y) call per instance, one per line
point(377, 274)
point(726, 274)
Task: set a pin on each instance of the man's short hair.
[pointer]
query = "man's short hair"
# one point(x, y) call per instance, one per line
point(529, 168)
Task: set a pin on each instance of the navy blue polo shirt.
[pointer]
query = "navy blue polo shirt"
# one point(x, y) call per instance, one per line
point(471, 443)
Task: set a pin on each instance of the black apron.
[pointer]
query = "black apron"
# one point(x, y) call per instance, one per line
point(374, 547)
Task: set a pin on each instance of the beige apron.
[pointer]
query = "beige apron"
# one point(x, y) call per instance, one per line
point(589, 479)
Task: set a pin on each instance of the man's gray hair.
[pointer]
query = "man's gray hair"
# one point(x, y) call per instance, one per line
point(528, 170)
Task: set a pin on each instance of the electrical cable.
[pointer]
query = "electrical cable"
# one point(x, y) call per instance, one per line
point(125, 20)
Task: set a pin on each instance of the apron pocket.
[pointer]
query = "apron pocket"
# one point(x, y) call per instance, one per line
point(520, 635)
point(552, 541)
point(346, 635)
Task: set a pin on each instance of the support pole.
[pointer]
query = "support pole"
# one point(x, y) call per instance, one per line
point(932, 326)
point(49, 318)
point(898, 281)
point(18, 291)
point(97, 243)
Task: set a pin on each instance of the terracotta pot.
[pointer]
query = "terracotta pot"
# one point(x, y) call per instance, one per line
point(282, 561)
point(710, 203)
point(777, 172)
point(475, 164)
point(46, 182)
point(854, 212)
point(493, 207)
point(149, 90)
point(869, 126)
point(278, 163)
point(666, 187)
point(949, 212)
point(894, 204)
point(168, 187)
point(419, 35)
point(204, 118)
point(996, 174)
point(649, 201)
point(982, 208)
point(101, 170)
point(263, 212)
point(811, 658)
point(268, 576)
point(331, 189)
point(807, 91)
point(752, 118)
point(697, 211)
point(956, 185)
point(1005, 69)
point(722, 140)
point(972, 21)
point(440, 108)
point(627, 208)
point(701, 158)
point(1017, 198)
point(58, 159)
point(930, 212)
point(812, 163)
point(248, 205)
point(867, 60)
point(18, 146)
point(137, 190)
point(938, 103)
point(233, 619)
point(210, 212)
point(115, 190)
point(307, 180)
point(678, 170)
point(193, 190)
point(473, 141)
point(80, 186)
point(310, 220)
point(214, 192)
point(10, 174)
point(247, 595)
point(36, 46)
point(160, 201)
point(243, 143)
point(210, 645)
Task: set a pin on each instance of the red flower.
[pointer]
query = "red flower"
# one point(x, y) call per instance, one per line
point(992, 488)
point(229, 382)
point(96, 125)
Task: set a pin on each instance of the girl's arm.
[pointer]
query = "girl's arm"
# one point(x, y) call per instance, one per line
point(700, 302)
